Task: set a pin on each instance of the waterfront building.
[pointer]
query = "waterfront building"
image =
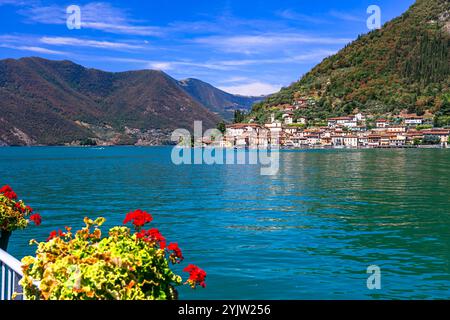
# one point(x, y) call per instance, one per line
point(351, 141)
point(340, 132)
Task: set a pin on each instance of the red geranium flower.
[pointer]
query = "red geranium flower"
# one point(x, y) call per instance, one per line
point(196, 276)
point(52, 235)
point(5, 189)
point(55, 234)
point(152, 235)
point(177, 255)
point(8, 192)
point(139, 218)
point(36, 218)
point(30, 209)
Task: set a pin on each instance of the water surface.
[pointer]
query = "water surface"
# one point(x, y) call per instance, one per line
point(309, 232)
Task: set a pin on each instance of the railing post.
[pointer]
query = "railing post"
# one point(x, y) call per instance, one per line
point(11, 273)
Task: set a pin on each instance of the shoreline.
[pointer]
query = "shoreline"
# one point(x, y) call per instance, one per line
point(239, 148)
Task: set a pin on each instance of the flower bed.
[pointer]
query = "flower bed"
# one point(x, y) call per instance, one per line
point(125, 265)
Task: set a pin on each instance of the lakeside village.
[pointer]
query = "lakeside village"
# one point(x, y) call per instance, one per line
point(401, 131)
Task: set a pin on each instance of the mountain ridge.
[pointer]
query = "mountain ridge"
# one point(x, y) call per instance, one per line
point(217, 100)
point(60, 102)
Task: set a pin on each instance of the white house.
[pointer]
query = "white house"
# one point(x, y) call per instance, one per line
point(351, 141)
point(288, 117)
point(246, 134)
point(382, 123)
point(349, 122)
point(413, 120)
point(359, 117)
point(313, 139)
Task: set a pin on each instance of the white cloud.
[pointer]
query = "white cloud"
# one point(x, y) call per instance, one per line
point(32, 49)
point(310, 57)
point(14, 2)
point(252, 89)
point(95, 15)
point(348, 17)
point(170, 65)
point(296, 16)
point(254, 43)
point(236, 79)
point(164, 66)
point(226, 65)
point(66, 41)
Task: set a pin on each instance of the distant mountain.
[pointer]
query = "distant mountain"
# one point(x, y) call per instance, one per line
point(60, 102)
point(216, 100)
point(404, 65)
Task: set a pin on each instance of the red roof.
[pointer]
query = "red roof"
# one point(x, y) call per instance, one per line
point(340, 118)
point(243, 125)
point(413, 117)
point(437, 132)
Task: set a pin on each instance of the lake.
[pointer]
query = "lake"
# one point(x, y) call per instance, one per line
point(308, 232)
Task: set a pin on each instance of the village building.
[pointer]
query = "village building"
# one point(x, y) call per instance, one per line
point(413, 120)
point(337, 140)
point(363, 141)
point(348, 122)
point(396, 129)
point(374, 140)
point(359, 117)
point(382, 123)
point(300, 104)
point(341, 132)
point(288, 117)
point(397, 140)
point(351, 141)
point(313, 139)
point(246, 135)
point(443, 134)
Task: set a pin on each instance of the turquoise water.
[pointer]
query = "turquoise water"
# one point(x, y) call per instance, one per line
point(309, 232)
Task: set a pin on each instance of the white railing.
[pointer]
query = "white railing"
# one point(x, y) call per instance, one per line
point(10, 274)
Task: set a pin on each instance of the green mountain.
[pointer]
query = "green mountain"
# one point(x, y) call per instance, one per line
point(60, 102)
point(216, 100)
point(404, 65)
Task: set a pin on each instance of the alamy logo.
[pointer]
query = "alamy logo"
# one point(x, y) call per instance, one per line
point(258, 146)
point(374, 280)
point(374, 20)
point(73, 17)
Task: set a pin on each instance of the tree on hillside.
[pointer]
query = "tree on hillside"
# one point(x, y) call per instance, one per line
point(221, 127)
point(239, 116)
point(442, 117)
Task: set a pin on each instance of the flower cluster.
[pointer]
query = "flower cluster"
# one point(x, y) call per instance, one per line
point(152, 236)
point(138, 217)
point(196, 276)
point(176, 256)
point(122, 266)
point(14, 213)
point(55, 234)
point(8, 192)
point(36, 218)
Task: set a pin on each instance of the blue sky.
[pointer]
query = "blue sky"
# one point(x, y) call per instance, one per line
point(249, 47)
